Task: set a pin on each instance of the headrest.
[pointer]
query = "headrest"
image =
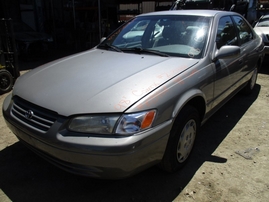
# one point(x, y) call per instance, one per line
point(167, 32)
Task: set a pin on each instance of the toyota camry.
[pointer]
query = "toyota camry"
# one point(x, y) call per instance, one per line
point(138, 98)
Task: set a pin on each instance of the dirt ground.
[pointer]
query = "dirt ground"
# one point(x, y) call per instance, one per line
point(229, 163)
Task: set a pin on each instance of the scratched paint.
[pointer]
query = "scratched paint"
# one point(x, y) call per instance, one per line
point(160, 78)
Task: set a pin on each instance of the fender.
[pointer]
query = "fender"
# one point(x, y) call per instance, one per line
point(188, 97)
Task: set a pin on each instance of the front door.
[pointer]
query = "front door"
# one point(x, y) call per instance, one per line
point(228, 68)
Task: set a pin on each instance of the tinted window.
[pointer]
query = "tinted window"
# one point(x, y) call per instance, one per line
point(226, 34)
point(244, 30)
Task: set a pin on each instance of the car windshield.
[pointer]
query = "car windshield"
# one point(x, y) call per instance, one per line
point(264, 22)
point(180, 36)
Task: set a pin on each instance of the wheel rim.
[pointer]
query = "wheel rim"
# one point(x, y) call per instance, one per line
point(186, 141)
point(253, 78)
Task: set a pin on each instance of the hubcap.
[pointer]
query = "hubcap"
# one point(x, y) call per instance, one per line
point(186, 141)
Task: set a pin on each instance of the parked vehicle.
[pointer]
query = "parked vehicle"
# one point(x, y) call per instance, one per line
point(28, 41)
point(125, 105)
point(262, 29)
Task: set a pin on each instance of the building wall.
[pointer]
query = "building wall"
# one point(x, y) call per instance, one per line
point(145, 7)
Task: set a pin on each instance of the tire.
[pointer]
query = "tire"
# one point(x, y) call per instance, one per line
point(6, 81)
point(181, 140)
point(251, 83)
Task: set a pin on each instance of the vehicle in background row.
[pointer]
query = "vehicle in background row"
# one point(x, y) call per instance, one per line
point(28, 41)
point(262, 28)
point(125, 105)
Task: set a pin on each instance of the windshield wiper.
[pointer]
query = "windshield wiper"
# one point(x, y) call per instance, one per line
point(141, 50)
point(108, 46)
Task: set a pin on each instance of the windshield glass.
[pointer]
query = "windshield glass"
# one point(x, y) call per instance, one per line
point(182, 36)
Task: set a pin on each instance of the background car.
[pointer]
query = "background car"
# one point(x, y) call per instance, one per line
point(123, 106)
point(28, 41)
point(261, 27)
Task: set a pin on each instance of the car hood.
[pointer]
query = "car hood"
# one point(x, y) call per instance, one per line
point(97, 81)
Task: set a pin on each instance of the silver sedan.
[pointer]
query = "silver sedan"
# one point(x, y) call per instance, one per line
point(137, 99)
point(262, 29)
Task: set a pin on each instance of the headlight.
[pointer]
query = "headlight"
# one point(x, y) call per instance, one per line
point(104, 124)
point(133, 123)
point(94, 124)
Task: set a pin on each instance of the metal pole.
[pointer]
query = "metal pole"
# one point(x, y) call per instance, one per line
point(75, 26)
point(99, 19)
point(53, 23)
point(74, 14)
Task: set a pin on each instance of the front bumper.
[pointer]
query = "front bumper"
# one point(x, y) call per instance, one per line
point(98, 157)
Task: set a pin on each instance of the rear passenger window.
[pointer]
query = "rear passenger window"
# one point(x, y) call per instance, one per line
point(244, 30)
point(226, 32)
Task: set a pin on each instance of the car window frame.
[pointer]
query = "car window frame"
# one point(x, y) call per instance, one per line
point(219, 35)
point(240, 39)
point(193, 49)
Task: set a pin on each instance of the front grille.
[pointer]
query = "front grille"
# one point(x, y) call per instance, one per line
point(32, 115)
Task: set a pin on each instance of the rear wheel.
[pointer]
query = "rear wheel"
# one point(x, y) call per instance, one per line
point(181, 140)
point(6, 81)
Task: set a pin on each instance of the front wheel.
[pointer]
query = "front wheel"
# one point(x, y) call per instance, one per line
point(6, 81)
point(181, 140)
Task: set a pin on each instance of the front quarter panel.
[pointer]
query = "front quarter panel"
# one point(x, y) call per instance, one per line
point(168, 99)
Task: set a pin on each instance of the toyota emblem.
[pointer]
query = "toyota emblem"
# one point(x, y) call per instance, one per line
point(29, 114)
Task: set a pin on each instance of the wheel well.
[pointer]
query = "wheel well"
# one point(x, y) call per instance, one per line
point(198, 103)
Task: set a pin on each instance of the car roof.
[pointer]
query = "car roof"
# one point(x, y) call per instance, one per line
point(207, 13)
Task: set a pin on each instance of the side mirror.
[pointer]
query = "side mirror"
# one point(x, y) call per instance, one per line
point(226, 52)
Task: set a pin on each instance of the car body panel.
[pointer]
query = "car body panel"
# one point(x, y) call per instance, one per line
point(120, 83)
point(262, 29)
point(125, 153)
point(108, 163)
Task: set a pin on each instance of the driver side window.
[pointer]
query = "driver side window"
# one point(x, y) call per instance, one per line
point(245, 33)
point(226, 33)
